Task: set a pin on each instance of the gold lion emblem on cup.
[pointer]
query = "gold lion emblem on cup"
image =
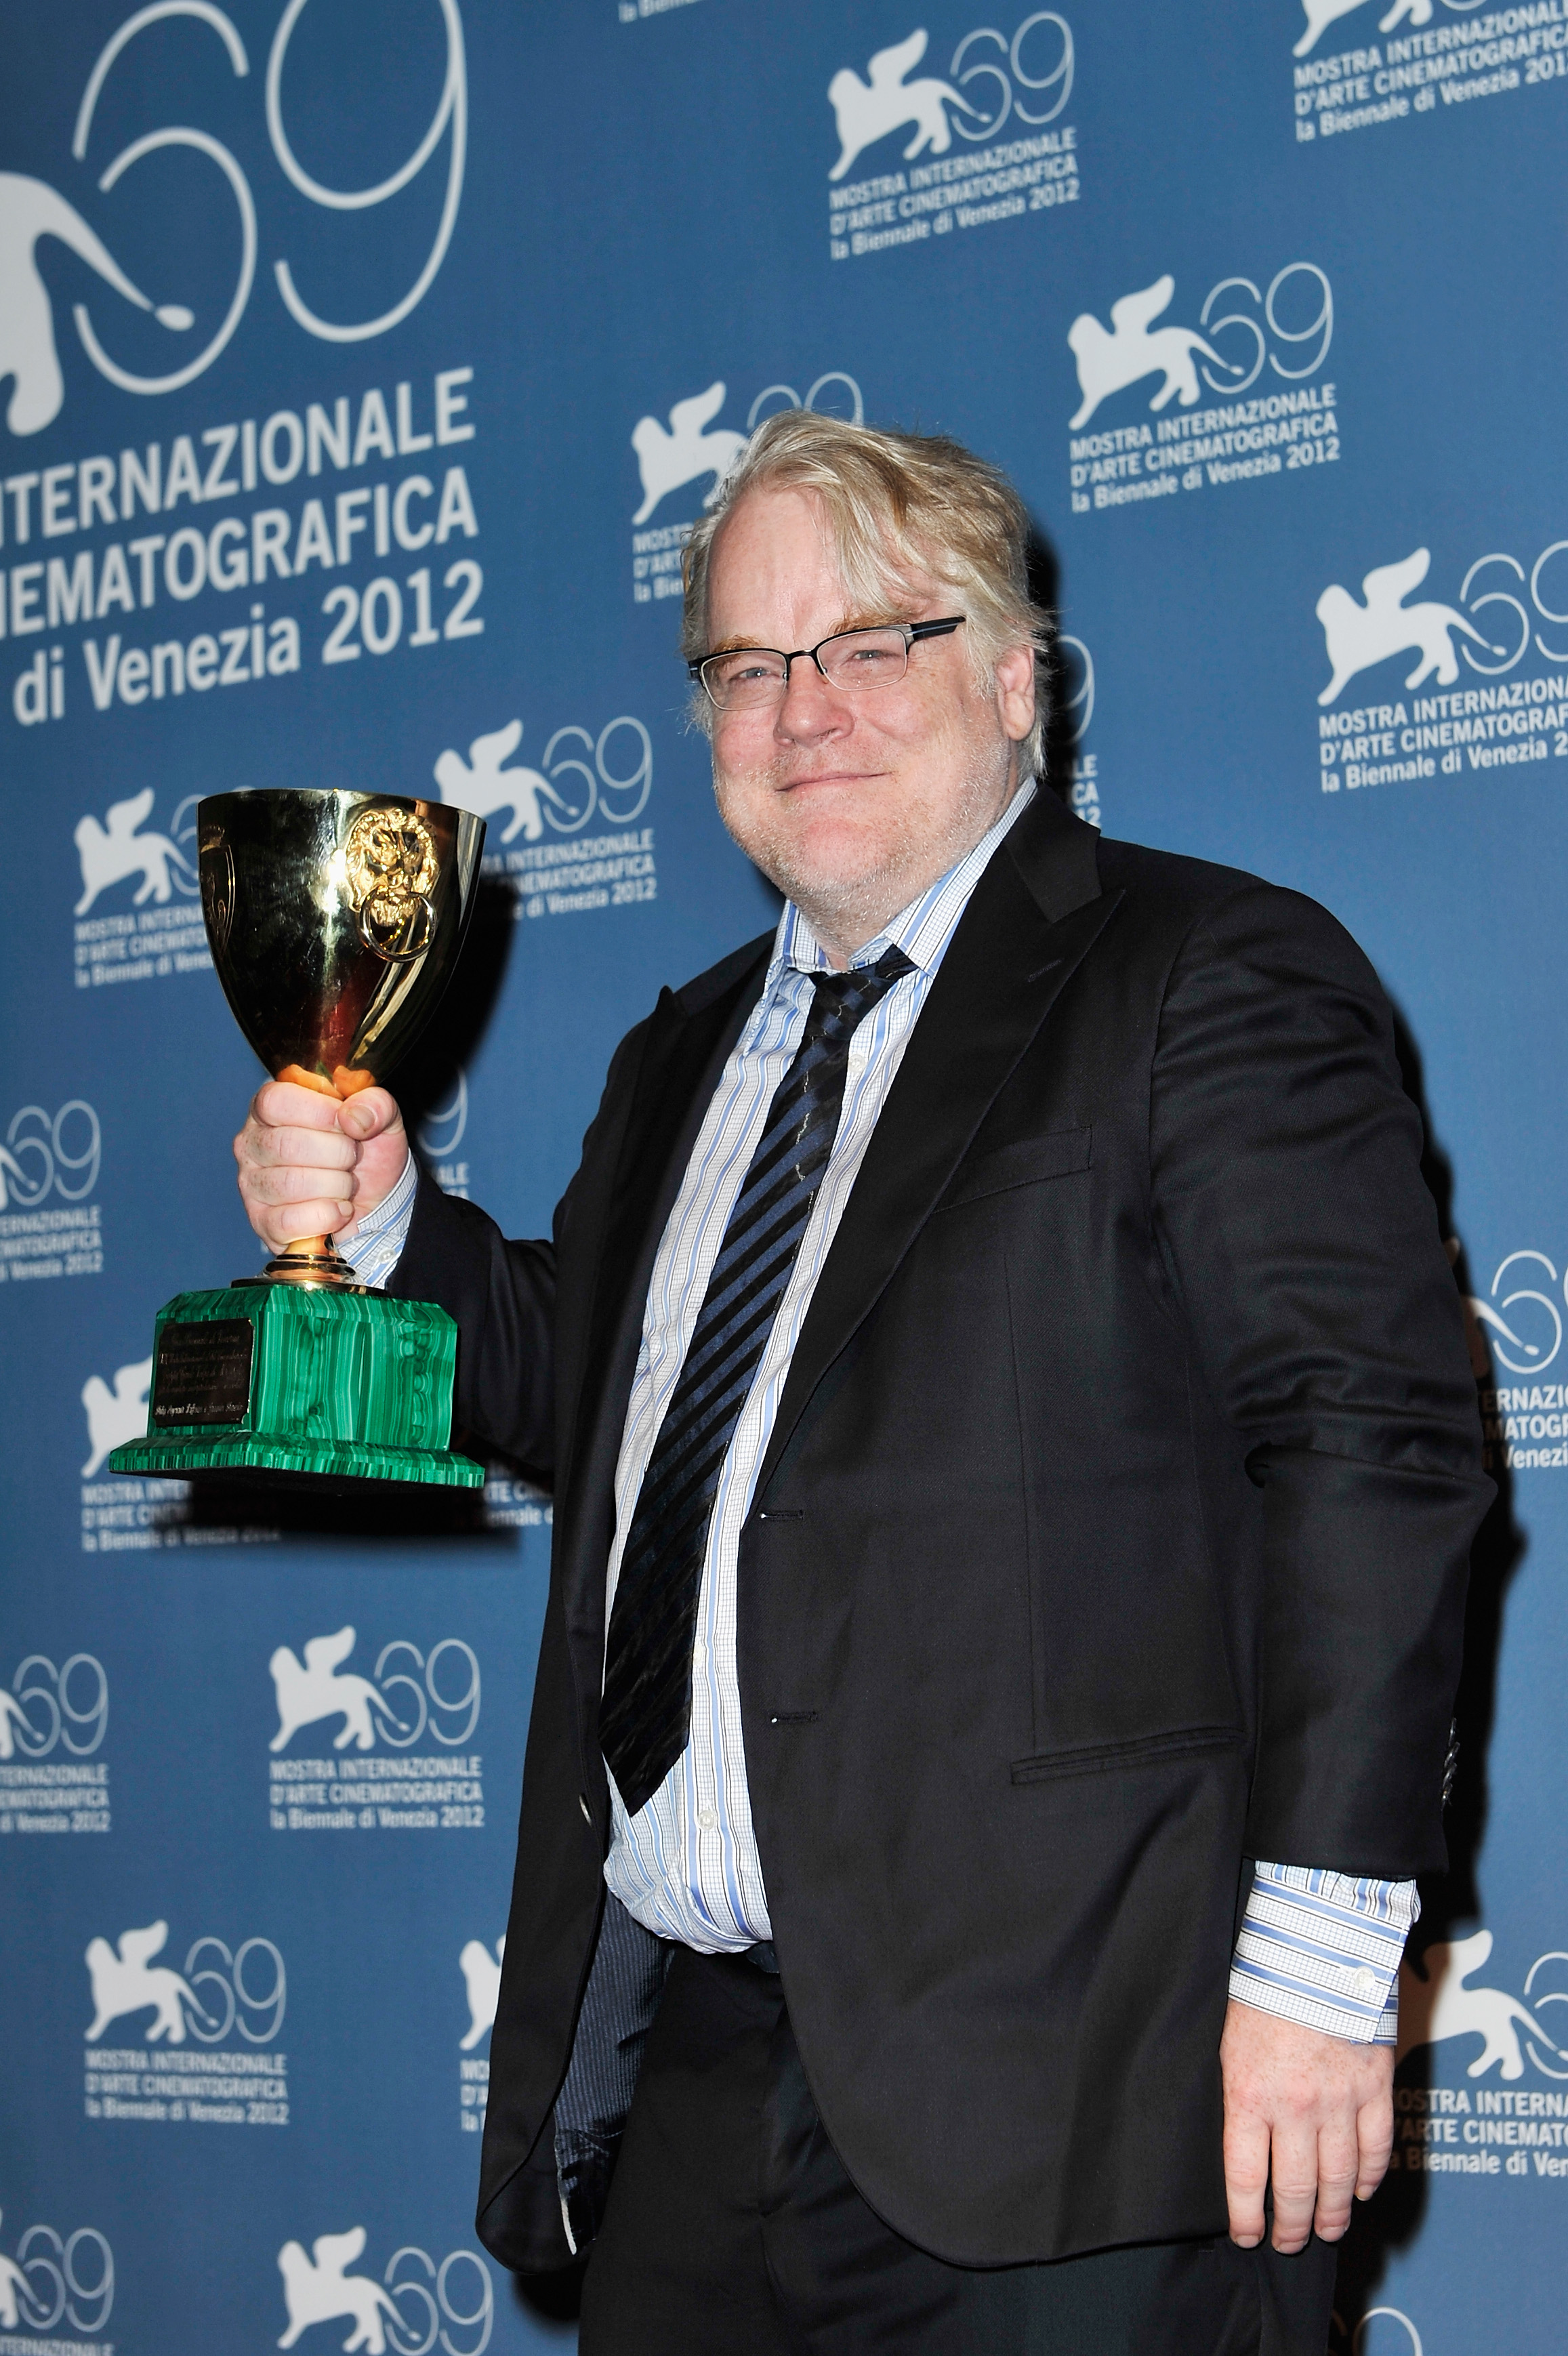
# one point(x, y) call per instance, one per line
point(392, 865)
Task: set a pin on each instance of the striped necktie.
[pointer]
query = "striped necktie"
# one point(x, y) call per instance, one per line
point(646, 1708)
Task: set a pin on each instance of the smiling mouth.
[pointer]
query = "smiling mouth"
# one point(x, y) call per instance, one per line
point(832, 777)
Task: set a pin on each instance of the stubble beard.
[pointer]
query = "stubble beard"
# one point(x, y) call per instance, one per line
point(848, 900)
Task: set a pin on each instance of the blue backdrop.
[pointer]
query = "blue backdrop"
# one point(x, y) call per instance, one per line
point(363, 369)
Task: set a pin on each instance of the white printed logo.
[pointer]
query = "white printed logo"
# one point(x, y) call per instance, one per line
point(1279, 331)
point(868, 110)
point(50, 1710)
point(41, 2283)
point(1412, 73)
point(1437, 2005)
point(579, 774)
point(406, 2315)
point(668, 460)
point(484, 784)
point(1321, 14)
point(385, 1714)
point(40, 1712)
point(128, 1981)
point(1517, 1328)
point(46, 1153)
point(989, 179)
point(1499, 724)
point(1523, 1330)
point(115, 1416)
point(1358, 637)
point(482, 1979)
point(325, 2290)
point(30, 209)
point(165, 2080)
point(314, 1690)
point(37, 1156)
point(115, 851)
point(575, 783)
point(866, 113)
point(167, 936)
point(1109, 360)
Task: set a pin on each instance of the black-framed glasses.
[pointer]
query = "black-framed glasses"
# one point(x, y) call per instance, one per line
point(747, 677)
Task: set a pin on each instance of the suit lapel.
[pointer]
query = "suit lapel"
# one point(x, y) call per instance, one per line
point(682, 1060)
point(1034, 915)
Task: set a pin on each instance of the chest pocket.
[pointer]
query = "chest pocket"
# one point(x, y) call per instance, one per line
point(1023, 1163)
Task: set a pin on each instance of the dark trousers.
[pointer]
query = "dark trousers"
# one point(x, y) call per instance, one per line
point(733, 2230)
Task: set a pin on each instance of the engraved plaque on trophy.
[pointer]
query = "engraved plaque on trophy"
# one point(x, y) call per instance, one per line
point(335, 920)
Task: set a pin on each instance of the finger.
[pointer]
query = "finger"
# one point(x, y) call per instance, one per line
point(1294, 2172)
point(299, 1149)
point(1375, 2141)
point(286, 1223)
point(283, 1104)
point(1338, 2161)
point(369, 1114)
point(1246, 2175)
point(275, 1182)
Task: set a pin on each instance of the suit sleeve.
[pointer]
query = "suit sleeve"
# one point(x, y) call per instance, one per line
point(503, 1296)
point(1303, 1249)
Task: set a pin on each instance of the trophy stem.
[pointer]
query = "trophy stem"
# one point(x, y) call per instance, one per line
point(313, 1260)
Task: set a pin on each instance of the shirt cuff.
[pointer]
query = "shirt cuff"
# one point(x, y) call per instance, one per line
point(375, 1247)
point(1324, 1948)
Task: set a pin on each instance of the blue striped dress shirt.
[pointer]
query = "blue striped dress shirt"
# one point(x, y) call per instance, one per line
point(1315, 1946)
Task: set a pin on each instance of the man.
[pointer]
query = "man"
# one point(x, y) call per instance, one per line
point(1015, 1460)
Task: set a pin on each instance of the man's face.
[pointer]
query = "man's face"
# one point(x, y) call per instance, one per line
point(852, 801)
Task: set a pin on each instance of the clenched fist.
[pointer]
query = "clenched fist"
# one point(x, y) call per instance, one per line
point(314, 1165)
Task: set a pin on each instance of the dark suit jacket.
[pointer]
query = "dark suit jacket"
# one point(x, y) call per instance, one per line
point(1112, 1532)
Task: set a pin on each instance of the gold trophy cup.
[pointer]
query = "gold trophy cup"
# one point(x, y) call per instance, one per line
point(335, 920)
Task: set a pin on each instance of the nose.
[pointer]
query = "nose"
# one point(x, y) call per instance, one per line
point(810, 710)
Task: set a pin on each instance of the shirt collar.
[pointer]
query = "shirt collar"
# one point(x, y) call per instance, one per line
point(922, 931)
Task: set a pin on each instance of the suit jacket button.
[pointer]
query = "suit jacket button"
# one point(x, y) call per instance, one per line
point(583, 1803)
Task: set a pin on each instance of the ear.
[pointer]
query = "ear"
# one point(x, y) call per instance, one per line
point(1015, 691)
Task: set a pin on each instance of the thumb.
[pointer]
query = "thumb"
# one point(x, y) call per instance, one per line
point(372, 1112)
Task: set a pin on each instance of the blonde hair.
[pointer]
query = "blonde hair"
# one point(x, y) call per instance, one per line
point(897, 506)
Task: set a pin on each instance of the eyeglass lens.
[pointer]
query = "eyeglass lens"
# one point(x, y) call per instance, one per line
point(858, 659)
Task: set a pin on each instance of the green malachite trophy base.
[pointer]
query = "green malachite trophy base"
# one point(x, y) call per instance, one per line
point(267, 1452)
point(295, 1379)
